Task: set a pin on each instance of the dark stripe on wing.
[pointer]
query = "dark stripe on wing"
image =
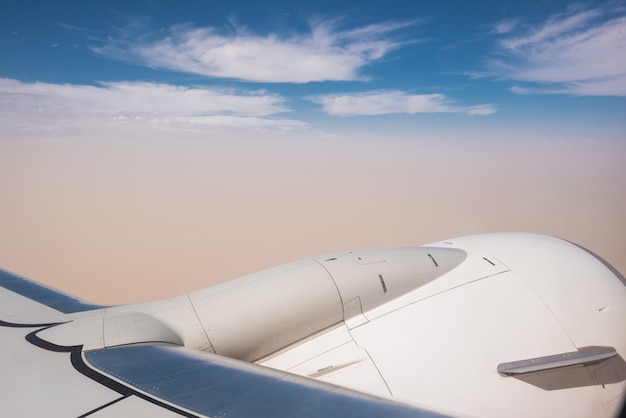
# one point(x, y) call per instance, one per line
point(55, 299)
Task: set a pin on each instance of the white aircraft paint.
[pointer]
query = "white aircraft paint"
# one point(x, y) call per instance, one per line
point(425, 326)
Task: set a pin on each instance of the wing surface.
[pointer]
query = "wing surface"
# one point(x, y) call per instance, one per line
point(41, 378)
point(163, 381)
point(55, 299)
point(26, 301)
point(203, 384)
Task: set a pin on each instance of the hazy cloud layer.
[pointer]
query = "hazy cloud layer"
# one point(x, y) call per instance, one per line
point(393, 101)
point(580, 52)
point(240, 121)
point(119, 221)
point(139, 101)
point(323, 54)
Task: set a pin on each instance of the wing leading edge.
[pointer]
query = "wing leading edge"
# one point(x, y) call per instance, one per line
point(25, 301)
point(55, 299)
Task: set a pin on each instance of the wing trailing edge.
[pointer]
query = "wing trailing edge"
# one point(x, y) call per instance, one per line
point(212, 385)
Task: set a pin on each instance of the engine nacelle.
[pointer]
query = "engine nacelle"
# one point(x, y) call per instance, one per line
point(256, 315)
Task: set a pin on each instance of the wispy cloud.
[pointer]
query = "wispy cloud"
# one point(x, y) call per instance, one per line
point(140, 101)
point(393, 101)
point(505, 26)
point(232, 121)
point(580, 52)
point(324, 53)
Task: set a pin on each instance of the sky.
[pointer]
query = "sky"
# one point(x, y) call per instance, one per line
point(152, 148)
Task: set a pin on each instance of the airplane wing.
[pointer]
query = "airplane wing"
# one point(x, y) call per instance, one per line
point(493, 325)
point(42, 378)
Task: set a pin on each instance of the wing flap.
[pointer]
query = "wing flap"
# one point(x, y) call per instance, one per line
point(211, 385)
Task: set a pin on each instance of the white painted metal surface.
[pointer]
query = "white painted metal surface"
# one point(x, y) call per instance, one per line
point(516, 296)
point(427, 326)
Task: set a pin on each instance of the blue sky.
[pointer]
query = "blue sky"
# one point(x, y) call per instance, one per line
point(334, 66)
point(142, 141)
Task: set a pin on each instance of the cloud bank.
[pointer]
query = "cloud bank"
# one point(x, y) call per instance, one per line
point(124, 101)
point(580, 52)
point(386, 102)
point(323, 54)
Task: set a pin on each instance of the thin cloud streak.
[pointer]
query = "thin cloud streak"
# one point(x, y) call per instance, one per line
point(139, 101)
point(505, 26)
point(387, 102)
point(241, 122)
point(582, 52)
point(323, 54)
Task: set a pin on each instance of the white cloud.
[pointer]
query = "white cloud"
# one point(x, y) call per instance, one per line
point(505, 26)
point(482, 110)
point(44, 103)
point(322, 54)
point(393, 101)
point(582, 52)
